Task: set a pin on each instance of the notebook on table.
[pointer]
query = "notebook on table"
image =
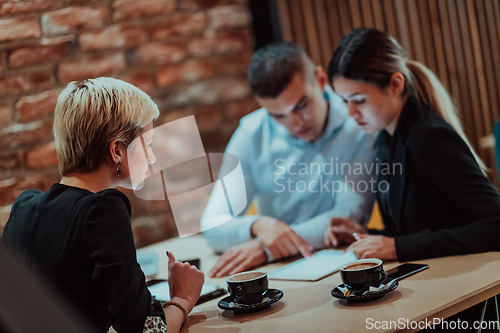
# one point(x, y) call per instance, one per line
point(161, 292)
point(148, 262)
point(159, 288)
point(322, 264)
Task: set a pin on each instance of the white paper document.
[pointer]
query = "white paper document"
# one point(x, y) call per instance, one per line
point(322, 263)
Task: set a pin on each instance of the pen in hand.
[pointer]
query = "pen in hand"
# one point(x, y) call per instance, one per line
point(356, 237)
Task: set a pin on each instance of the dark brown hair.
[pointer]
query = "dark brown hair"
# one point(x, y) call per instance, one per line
point(273, 67)
point(372, 56)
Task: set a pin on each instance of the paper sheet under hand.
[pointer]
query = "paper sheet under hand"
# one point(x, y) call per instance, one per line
point(322, 263)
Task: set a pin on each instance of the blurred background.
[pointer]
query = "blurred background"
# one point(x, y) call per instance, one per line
point(191, 57)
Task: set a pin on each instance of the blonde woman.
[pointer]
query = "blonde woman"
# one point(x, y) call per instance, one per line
point(434, 198)
point(78, 233)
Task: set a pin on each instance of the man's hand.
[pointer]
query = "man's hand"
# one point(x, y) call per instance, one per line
point(279, 238)
point(239, 258)
point(340, 231)
point(381, 247)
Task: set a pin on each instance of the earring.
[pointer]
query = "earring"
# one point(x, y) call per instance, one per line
point(326, 95)
point(118, 169)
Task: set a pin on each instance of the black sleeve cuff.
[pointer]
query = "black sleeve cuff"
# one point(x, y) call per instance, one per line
point(157, 310)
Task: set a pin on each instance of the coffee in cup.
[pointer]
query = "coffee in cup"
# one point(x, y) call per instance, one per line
point(360, 266)
point(248, 287)
point(361, 274)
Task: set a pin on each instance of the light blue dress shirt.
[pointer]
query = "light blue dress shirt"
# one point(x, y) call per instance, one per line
point(299, 183)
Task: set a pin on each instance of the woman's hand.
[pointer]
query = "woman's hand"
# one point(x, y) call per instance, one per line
point(381, 247)
point(185, 282)
point(340, 231)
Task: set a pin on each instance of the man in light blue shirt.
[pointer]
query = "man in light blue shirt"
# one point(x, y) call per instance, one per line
point(304, 162)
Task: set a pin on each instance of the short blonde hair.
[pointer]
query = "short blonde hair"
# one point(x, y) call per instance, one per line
point(92, 113)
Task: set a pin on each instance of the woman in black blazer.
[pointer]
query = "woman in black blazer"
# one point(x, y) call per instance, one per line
point(77, 235)
point(434, 198)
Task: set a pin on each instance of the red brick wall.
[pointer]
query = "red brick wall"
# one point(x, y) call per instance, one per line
point(191, 56)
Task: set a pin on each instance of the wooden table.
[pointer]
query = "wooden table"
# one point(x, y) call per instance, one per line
point(448, 286)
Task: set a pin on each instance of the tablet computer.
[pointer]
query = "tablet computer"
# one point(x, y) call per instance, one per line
point(148, 262)
point(322, 264)
point(160, 290)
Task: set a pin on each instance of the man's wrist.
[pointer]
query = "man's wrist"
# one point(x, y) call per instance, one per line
point(254, 229)
point(269, 255)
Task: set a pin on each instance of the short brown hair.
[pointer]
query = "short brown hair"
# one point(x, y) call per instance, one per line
point(92, 113)
point(273, 67)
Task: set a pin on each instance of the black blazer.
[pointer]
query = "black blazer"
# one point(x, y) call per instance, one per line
point(439, 203)
point(82, 243)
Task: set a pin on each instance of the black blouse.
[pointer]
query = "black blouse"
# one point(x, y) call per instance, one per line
point(82, 242)
point(439, 203)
